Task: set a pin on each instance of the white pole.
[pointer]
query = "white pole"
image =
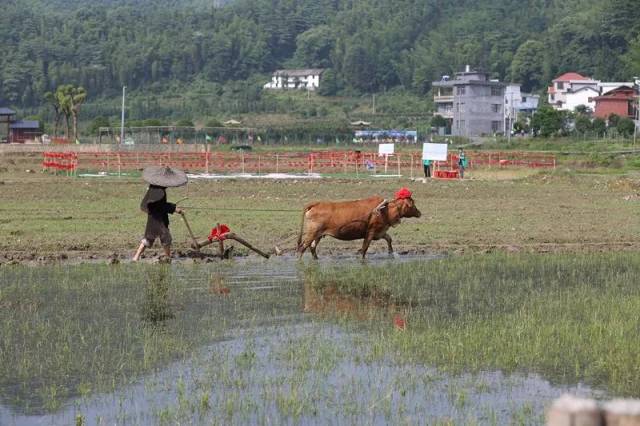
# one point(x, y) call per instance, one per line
point(505, 102)
point(124, 88)
point(509, 119)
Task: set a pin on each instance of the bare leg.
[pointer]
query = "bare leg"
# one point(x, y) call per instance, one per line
point(139, 252)
point(167, 251)
point(388, 240)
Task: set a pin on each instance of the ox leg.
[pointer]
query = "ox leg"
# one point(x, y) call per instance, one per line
point(365, 245)
point(388, 239)
point(308, 242)
point(313, 247)
point(302, 248)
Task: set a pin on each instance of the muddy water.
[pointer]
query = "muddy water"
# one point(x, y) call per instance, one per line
point(278, 361)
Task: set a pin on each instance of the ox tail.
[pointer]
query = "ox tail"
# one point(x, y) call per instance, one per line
point(304, 212)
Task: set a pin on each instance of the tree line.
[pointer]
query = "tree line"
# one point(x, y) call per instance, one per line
point(367, 46)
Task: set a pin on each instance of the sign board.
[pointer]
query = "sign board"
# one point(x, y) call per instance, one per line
point(386, 149)
point(434, 151)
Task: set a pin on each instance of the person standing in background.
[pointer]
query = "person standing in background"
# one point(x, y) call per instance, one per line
point(462, 162)
point(426, 164)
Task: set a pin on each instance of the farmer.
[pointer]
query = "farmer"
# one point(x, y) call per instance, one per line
point(426, 164)
point(157, 208)
point(462, 162)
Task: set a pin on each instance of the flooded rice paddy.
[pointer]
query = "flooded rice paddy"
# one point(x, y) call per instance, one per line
point(487, 340)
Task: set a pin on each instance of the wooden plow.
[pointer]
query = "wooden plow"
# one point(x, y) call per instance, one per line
point(218, 235)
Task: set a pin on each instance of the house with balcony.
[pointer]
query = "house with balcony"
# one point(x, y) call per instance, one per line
point(304, 79)
point(472, 104)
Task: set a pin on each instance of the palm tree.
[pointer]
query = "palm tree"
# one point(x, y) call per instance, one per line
point(51, 98)
point(77, 97)
point(70, 98)
point(62, 95)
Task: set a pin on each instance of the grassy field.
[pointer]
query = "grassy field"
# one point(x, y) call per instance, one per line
point(43, 215)
point(572, 318)
point(514, 210)
point(308, 342)
point(501, 304)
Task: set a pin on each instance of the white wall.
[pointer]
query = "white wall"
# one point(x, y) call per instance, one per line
point(580, 98)
point(310, 82)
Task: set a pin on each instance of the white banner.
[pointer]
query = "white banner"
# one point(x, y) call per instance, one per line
point(434, 151)
point(386, 148)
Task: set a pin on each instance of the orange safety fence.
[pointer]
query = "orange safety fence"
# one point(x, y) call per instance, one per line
point(60, 161)
point(329, 162)
point(512, 158)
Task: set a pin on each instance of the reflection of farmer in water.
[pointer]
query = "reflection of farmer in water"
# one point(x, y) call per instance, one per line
point(157, 208)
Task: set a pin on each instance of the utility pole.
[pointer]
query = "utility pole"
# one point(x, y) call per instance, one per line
point(636, 116)
point(511, 114)
point(124, 88)
point(374, 103)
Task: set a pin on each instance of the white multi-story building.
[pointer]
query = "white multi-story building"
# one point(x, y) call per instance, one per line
point(516, 102)
point(521, 102)
point(571, 90)
point(307, 79)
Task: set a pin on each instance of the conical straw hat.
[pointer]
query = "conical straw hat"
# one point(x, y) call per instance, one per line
point(164, 176)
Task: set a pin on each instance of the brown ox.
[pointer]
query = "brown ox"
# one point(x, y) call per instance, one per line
point(352, 220)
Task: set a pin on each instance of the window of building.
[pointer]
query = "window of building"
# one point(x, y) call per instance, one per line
point(445, 108)
point(524, 99)
point(461, 90)
point(560, 85)
point(495, 107)
point(496, 91)
point(462, 124)
point(553, 97)
point(495, 126)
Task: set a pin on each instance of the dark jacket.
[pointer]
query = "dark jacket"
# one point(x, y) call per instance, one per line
point(158, 209)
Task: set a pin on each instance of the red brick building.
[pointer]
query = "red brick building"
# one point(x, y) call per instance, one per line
point(621, 101)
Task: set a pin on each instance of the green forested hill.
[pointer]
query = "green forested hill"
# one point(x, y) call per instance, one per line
point(369, 45)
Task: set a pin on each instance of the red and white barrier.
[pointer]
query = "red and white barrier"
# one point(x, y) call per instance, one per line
point(325, 162)
point(66, 162)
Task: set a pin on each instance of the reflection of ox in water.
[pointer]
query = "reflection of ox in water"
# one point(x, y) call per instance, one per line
point(369, 219)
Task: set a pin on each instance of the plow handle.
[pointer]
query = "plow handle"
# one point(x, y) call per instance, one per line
point(193, 238)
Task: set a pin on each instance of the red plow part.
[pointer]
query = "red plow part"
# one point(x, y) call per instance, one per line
point(219, 233)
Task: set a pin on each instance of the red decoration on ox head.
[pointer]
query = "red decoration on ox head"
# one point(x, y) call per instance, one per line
point(403, 193)
point(406, 204)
